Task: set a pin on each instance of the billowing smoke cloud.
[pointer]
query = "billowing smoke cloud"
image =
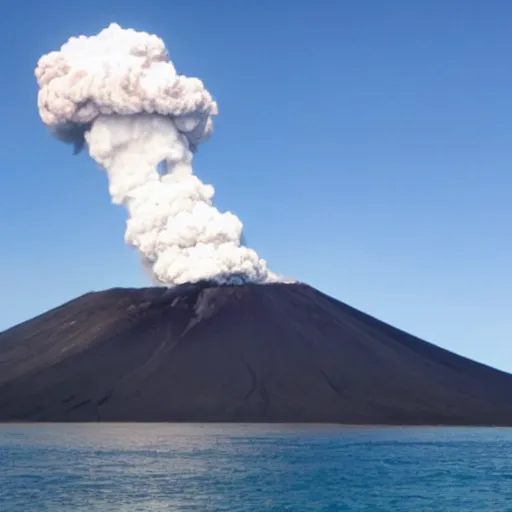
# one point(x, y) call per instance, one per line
point(119, 92)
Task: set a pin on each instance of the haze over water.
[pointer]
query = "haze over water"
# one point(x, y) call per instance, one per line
point(153, 467)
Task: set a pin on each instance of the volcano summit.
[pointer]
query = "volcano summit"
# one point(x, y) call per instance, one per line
point(260, 353)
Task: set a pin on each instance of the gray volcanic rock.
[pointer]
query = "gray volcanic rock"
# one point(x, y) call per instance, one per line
point(276, 353)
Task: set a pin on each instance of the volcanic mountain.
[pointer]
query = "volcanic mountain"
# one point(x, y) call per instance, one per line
point(251, 353)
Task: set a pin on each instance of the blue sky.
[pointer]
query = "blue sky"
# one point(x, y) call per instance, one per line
point(365, 145)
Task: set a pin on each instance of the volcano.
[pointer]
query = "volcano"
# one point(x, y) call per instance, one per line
point(250, 353)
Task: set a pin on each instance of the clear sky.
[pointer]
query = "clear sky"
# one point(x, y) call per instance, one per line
point(365, 145)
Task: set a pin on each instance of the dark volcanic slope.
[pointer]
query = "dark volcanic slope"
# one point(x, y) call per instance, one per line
point(252, 353)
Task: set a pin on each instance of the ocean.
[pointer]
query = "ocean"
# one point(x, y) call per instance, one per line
point(204, 467)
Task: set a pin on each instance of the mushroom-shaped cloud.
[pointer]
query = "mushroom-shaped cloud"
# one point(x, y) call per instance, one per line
point(119, 71)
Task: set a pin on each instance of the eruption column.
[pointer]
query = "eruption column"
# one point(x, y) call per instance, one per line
point(172, 223)
point(120, 92)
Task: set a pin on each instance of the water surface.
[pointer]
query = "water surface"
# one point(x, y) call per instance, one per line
point(154, 467)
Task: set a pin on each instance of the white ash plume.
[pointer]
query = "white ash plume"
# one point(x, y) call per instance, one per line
point(119, 92)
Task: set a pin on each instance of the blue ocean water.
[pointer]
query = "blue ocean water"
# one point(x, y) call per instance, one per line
point(157, 467)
